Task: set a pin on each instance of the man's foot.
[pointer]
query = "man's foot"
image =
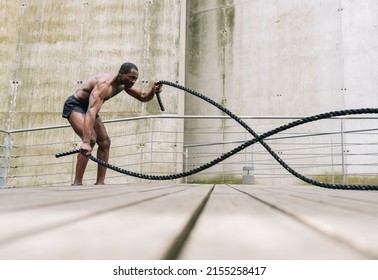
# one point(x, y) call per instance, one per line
point(74, 184)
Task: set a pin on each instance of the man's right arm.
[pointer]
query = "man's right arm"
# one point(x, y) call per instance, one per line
point(95, 102)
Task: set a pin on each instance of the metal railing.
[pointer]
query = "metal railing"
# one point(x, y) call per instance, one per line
point(338, 150)
point(335, 150)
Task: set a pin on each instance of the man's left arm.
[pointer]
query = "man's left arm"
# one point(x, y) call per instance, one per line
point(144, 96)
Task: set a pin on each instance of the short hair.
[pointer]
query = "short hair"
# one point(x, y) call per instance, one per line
point(127, 66)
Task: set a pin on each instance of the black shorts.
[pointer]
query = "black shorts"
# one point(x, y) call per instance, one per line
point(73, 104)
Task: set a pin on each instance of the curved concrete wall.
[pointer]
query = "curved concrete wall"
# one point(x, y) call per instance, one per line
point(280, 58)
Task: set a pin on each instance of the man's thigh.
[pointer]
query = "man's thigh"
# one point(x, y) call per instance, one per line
point(76, 119)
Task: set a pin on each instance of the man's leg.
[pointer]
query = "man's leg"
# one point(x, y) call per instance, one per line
point(103, 142)
point(81, 165)
point(76, 120)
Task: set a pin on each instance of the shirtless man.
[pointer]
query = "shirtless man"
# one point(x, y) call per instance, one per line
point(81, 110)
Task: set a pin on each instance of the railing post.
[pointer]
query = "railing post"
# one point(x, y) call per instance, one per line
point(342, 152)
point(186, 163)
point(5, 161)
point(332, 162)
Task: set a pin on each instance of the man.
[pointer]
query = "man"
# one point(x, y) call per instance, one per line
point(81, 110)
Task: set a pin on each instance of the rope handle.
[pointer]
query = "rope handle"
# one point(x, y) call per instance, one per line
point(160, 102)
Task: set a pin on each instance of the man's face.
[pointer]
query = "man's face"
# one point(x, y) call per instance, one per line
point(129, 78)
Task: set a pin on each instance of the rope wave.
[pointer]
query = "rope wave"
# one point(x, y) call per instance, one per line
point(256, 139)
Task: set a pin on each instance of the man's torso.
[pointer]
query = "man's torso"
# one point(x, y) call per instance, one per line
point(103, 80)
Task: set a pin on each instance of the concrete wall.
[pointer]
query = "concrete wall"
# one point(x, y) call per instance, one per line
point(281, 58)
point(48, 48)
point(256, 57)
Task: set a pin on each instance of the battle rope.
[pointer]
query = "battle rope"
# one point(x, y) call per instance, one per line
point(159, 101)
point(257, 138)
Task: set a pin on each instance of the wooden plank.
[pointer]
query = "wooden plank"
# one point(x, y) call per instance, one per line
point(345, 221)
point(235, 225)
point(34, 197)
point(67, 208)
point(139, 225)
point(360, 201)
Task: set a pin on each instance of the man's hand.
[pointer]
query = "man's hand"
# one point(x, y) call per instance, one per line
point(86, 149)
point(156, 88)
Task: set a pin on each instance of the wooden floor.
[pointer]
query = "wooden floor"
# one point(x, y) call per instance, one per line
point(197, 222)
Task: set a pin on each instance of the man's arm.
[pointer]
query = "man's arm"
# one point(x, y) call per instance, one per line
point(144, 96)
point(96, 99)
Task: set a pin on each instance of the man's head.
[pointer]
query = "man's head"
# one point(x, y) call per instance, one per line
point(127, 66)
point(128, 74)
